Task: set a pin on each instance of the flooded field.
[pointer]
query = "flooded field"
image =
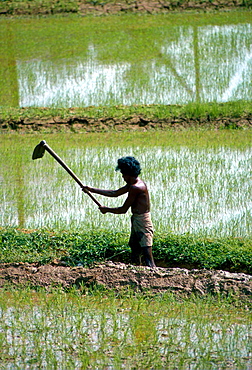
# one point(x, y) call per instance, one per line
point(199, 182)
point(194, 187)
point(166, 59)
point(81, 332)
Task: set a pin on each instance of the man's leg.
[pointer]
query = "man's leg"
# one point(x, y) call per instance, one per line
point(149, 260)
point(136, 254)
point(135, 249)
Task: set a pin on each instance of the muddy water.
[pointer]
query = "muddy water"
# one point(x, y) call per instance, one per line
point(162, 61)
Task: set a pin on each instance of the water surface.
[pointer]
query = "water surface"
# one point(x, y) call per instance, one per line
point(159, 60)
point(193, 189)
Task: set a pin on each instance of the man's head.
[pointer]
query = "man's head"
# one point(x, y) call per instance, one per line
point(128, 166)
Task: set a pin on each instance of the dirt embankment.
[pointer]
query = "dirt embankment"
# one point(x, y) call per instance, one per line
point(156, 6)
point(119, 276)
point(98, 7)
point(136, 122)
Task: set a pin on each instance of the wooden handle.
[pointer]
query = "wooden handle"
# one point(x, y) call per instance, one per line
point(62, 163)
point(93, 198)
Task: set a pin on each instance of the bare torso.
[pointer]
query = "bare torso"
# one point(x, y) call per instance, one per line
point(141, 202)
point(137, 200)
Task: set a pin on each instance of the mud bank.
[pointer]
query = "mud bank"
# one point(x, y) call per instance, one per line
point(97, 7)
point(156, 7)
point(136, 122)
point(120, 276)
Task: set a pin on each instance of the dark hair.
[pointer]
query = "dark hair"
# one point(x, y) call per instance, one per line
point(128, 166)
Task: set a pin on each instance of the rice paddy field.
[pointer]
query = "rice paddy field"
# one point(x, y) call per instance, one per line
point(200, 183)
point(102, 331)
point(90, 61)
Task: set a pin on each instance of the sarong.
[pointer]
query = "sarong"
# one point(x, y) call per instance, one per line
point(141, 230)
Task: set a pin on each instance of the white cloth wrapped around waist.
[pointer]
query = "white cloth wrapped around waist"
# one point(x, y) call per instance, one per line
point(141, 229)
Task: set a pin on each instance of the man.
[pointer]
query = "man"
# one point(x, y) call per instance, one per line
point(138, 200)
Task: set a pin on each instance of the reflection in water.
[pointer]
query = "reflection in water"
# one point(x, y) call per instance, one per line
point(8, 70)
point(238, 77)
point(210, 63)
point(63, 332)
point(78, 84)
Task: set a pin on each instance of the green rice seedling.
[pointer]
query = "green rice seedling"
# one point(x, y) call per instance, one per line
point(198, 183)
point(165, 59)
point(125, 331)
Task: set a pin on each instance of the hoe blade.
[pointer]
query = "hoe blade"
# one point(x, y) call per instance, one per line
point(39, 150)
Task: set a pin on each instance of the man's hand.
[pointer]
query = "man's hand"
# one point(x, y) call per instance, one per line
point(86, 189)
point(103, 209)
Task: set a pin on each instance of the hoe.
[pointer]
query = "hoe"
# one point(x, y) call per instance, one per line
point(39, 151)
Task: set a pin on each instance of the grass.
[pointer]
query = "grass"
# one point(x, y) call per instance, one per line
point(233, 254)
point(17, 7)
point(208, 111)
point(98, 328)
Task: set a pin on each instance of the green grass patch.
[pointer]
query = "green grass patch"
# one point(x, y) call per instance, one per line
point(190, 111)
point(232, 254)
point(48, 7)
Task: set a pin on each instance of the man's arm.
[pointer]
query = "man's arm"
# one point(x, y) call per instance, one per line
point(133, 192)
point(107, 193)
